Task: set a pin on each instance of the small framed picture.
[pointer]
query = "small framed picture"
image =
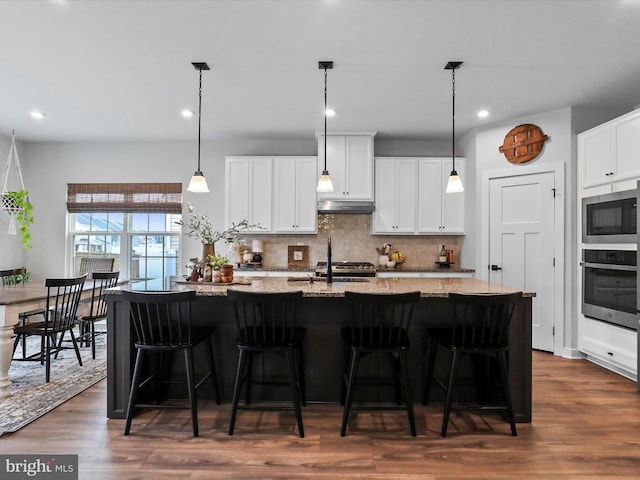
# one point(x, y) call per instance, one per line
point(298, 256)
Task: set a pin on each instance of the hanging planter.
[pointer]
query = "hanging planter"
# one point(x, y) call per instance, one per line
point(20, 209)
point(15, 203)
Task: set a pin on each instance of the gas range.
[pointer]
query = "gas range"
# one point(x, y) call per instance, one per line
point(347, 269)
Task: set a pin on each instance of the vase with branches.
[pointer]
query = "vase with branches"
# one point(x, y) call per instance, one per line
point(198, 226)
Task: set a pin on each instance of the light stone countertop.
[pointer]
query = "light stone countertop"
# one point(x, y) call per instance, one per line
point(429, 287)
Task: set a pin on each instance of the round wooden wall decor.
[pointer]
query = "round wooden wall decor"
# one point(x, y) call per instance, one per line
point(523, 143)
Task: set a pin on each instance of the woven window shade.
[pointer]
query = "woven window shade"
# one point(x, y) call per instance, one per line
point(124, 197)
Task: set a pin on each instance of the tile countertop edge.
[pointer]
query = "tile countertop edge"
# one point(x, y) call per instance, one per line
point(429, 287)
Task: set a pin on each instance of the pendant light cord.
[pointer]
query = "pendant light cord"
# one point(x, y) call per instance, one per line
point(453, 117)
point(199, 116)
point(325, 119)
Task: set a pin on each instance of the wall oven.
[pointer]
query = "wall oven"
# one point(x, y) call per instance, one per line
point(610, 218)
point(609, 286)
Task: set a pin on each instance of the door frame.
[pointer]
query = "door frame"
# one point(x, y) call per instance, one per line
point(559, 238)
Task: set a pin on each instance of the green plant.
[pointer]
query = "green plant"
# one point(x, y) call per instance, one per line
point(199, 226)
point(23, 210)
point(216, 261)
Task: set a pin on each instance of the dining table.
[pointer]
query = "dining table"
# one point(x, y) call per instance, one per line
point(15, 299)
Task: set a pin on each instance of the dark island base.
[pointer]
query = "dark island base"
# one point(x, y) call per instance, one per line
point(323, 355)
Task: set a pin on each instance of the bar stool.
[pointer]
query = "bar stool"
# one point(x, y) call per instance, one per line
point(162, 324)
point(267, 323)
point(97, 309)
point(479, 325)
point(379, 325)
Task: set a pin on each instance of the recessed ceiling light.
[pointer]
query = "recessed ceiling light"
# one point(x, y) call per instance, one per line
point(483, 113)
point(187, 113)
point(38, 115)
point(329, 112)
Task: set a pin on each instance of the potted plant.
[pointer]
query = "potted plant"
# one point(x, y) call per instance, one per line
point(17, 203)
point(198, 225)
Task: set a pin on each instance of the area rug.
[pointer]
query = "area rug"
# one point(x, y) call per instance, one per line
point(31, 397)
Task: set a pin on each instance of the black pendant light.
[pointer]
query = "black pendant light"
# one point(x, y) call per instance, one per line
point(454, 184)
point(325, 184)
point(198, 183)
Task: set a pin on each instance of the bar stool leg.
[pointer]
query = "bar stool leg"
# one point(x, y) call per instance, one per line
point(447, 405)
point(353, 371)
point(242, 360)
point(293, 380)
point(137, 370)
point(188, 363)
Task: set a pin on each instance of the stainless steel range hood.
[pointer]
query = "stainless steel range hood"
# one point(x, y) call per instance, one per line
point(344, 206)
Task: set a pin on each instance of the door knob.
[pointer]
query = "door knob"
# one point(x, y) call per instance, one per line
point(495, 268)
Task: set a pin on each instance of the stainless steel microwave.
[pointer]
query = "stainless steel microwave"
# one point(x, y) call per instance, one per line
point(610, 218)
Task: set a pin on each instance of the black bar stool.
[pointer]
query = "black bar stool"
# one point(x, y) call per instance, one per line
point(379, 325)
point(479, 325)
point(267, 323)
point(162, 324)
point(97, 309)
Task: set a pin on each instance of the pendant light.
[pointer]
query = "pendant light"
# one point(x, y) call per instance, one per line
point(454, 185)
point(198, 183)
point(325, 185)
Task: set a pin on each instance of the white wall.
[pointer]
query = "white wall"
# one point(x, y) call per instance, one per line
point(12, 255)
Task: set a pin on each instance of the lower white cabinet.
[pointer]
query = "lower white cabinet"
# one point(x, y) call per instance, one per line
point(443, 274)
point(610, 346)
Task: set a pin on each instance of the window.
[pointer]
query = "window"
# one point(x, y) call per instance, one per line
point(144, 244)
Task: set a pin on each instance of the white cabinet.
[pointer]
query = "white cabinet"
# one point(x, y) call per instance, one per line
point(441, 274)
point(440, 212)
point(610, 346)
point(295, 208)
point(607, 153)
point(396, 183)
point(350, 165)
point(248, 193)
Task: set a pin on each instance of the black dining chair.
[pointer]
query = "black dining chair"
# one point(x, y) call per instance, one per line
point(162, 324)
point(379, 326)
point(479, 325)
point(60, 313)
point(267, 324)
point(97, 309)
point(13, 277)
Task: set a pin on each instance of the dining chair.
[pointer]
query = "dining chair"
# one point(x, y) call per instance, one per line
point(267, 323)
point(97, 309)
point(379, 326)
point(89, 265)
point(162, 324)
point(479, 325)
point(60, 313)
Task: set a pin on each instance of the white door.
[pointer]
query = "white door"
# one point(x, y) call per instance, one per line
point(521, 244)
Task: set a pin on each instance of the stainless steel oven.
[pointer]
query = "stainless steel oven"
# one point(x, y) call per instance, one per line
point(609, 286)
point(610, 218)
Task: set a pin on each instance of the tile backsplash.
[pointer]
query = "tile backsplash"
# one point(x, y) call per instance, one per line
point(351, 240)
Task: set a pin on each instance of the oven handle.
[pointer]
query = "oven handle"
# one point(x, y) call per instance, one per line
point(607, 266)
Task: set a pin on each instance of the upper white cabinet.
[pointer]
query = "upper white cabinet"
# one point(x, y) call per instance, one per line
point(248, 194)
point(607, 153)
point(440, 212)
point(411, 197)
point(294, 191)
point(396, 182)
point(350, 164)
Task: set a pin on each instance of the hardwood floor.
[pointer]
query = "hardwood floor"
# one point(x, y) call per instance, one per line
point(586, 425)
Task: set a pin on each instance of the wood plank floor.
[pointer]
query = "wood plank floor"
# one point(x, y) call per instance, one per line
point(586, 425)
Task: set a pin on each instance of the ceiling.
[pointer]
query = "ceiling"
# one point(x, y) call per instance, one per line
point(121, 70)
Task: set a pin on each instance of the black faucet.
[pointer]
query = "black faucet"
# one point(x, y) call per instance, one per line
point(329, 273)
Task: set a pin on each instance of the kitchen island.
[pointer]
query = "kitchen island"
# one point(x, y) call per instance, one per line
point(323, 311)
